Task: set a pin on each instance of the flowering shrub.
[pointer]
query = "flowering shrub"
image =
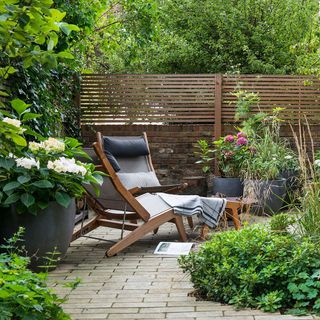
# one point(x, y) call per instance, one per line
point(231, 151)
point(36, 173)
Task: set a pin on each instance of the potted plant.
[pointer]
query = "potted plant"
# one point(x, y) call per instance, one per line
point(39, 182)
point(204, 152)
point(231, 151)
point(265, 173)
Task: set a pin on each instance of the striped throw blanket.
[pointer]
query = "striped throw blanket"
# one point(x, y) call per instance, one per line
point(209, 210)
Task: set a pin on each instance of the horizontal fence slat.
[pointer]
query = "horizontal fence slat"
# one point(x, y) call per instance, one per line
point(190, 98)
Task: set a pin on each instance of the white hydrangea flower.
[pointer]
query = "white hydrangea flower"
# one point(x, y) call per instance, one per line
point(34, 146)
point(27, 163)
point(317, 163)
point(64, 165)
point(14, 122)
point(288, 157)
point(53, 145)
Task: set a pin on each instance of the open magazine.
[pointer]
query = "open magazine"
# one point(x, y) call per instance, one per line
point(173, 248)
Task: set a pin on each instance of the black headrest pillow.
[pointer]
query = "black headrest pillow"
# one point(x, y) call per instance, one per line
point(132, 147)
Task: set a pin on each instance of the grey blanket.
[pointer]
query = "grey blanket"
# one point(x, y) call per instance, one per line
point(209, 210)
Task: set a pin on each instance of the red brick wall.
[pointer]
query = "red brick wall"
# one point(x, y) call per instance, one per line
point(172, 146)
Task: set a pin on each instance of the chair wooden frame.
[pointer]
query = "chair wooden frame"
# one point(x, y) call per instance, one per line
point(104, 217)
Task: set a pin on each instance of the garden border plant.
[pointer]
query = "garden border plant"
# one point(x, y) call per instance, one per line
point(24, 294)
point(258, 267)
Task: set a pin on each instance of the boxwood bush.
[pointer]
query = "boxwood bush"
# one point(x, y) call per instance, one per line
point(259, 268)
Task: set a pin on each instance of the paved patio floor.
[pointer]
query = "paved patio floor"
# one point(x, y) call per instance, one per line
point(136, 284)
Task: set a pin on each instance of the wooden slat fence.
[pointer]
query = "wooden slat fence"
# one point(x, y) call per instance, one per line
point(297, 94)
point(191, 99)
point(154, 99)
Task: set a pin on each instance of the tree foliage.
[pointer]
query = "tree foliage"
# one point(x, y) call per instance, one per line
point(248, 36)
point(29, 35)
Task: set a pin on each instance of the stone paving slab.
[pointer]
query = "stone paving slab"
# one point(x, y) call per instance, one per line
point(136, 284)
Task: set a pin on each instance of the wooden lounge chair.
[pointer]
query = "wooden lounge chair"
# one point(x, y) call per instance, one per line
point(121, 207)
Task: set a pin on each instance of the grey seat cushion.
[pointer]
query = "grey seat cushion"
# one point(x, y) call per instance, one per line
point(153, 203)
point(139, 179)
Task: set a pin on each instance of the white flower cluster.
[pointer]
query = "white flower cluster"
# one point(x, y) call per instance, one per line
point(66, 165)
point(288, 157)
point(27, 163)
point(317, 163)
point(49, 145)
point(14, 122)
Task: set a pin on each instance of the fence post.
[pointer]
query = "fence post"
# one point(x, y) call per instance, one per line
point(217, 112)
point(76, 100)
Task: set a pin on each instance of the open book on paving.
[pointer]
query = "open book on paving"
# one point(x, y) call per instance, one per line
point(173, 248)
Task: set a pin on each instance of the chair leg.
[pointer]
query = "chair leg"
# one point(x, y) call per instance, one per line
point(139, 232)
point(87, 227)
point(235, 217)
point(180, 227)
point(190, 222)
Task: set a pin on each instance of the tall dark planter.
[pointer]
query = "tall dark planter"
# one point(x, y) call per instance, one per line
point(268, 194)
point(229, 187)
point(51, 229)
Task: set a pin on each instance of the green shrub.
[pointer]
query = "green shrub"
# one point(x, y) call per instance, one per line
point(24, 294)
point(258, 268)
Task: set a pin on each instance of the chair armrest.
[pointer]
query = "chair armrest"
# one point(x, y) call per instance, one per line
point(170, 188)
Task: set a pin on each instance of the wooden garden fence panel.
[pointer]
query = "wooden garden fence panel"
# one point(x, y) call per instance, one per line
point(299, 95)
point(191, 98)
point(154, 99)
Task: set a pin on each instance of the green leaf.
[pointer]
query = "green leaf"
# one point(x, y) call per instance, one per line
point(6, 163)
point(11, 186)
point(12, 199)
point(65, 55)
point(42, 205)
point(4, 94)
point(4, 17)
point(63, 199)
point(50, 45)
point(30, 116)
point(24, 179)
point(67, 28)
point(98, 178)
point(27, 199)
point(43, 184)
point(19, 140)
point(6, 113)
point(19, 105)
point(57, 15)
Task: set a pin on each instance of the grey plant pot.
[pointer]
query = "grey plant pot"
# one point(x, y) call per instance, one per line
point(50, 230)
point(268, 194)
point(229, 187)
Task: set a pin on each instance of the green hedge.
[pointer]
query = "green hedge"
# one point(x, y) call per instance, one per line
point(258, 268)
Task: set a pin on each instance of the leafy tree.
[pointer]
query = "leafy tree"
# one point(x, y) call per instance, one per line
point(29, 34)
point(248, 36)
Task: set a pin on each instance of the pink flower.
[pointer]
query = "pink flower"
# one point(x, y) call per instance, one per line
point(241, 135)
point(242, 141)
point(229, 138)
